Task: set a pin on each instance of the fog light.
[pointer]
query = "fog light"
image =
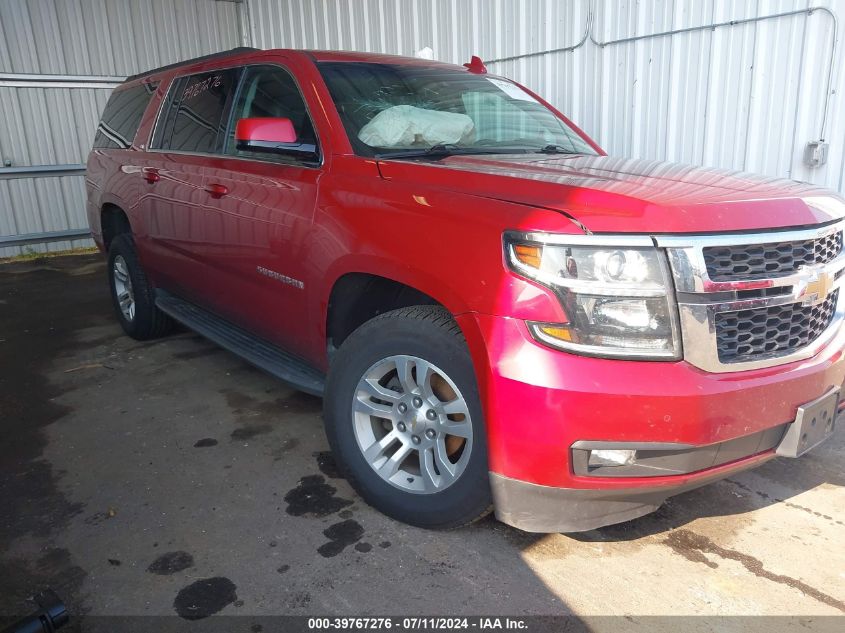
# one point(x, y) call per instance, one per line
point(612, 458)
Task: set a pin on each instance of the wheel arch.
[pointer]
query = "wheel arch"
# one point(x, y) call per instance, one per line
point(357, 297)
point(357, 294)
point(114, 221)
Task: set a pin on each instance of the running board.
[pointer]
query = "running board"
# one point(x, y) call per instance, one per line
point(251, 348)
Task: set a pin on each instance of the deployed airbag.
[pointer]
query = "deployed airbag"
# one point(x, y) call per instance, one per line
point(405, 125)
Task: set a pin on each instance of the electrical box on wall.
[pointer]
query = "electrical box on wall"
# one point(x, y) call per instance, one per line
point(815, 154)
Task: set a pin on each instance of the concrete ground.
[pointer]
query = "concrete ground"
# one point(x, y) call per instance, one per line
point(145, 478)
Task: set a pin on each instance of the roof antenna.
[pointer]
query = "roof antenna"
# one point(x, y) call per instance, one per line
point(476, 66)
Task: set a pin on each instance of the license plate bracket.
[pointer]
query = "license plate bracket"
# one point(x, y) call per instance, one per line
point(814, 423)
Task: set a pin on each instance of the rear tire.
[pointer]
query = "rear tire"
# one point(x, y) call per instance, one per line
point(403, 418)
point(132, 296)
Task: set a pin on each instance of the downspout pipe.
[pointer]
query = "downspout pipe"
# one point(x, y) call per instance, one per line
point(566, 49)
point(774, 16)
point(590, 23)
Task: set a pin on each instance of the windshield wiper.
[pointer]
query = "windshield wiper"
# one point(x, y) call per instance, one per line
point(551, 148)
point(444, 150)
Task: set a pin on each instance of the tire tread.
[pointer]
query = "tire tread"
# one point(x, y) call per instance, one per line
point(153, 323)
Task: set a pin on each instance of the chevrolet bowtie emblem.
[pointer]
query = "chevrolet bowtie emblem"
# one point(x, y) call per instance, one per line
point(817, 288)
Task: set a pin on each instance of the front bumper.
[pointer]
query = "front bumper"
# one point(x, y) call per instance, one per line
point(540, 402)
point(534, 508)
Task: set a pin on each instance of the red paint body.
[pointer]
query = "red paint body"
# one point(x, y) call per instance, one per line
point(437, 227)
point(265, 129)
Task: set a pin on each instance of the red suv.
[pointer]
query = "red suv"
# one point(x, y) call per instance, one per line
point(495, 312)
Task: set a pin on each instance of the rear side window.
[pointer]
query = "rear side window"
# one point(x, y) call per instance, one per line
point(122, 116)
point(194, 116)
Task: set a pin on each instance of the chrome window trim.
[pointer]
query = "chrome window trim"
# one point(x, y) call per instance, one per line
point(165, 102)
point(237, 67)
point(275, 163)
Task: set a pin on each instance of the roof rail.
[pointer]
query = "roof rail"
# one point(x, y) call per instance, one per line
point(221, 54)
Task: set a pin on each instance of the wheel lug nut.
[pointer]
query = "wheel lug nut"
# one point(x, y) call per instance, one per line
point(417, 402)
point(401, 427)
point(431, 434)
point(403, 407)
point(416, 439)
point(431, 414)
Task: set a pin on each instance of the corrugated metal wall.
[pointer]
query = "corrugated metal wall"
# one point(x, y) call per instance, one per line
point(745, 97)
point(50, 119)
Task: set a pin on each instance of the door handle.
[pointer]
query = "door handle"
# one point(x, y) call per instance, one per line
point(151, 174)
point(216, 190)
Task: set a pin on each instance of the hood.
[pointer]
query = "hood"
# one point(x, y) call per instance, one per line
point(613, 195)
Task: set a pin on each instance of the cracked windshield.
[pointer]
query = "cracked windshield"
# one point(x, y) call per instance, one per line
point(408, 111)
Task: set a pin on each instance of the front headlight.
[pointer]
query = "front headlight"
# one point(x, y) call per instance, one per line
point(617, 296)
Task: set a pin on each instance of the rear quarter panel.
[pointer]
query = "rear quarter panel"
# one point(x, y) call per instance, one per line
point(109, 180)
point(113, 176)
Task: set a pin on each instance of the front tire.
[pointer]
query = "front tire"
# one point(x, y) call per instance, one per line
point(132, 295)
point(404, 419)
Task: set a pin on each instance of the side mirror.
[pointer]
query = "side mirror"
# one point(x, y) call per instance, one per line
point(271, 135)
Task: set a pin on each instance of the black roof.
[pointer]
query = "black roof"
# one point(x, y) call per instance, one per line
point(222, 54)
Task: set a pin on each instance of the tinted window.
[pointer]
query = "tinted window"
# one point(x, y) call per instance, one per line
point(123, 115)
point(194, 115)
point(270, 91)
point(164, 124)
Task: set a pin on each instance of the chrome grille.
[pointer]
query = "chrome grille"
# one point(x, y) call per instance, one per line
point(758, 299)
point(775, 259)
point(748, 335)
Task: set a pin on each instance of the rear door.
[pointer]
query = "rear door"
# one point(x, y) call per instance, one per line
point(258, 228)
point(190, 128)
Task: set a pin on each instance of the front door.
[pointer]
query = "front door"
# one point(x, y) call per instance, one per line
point(257, 228)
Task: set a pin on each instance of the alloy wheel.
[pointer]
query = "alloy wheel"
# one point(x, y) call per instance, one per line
point(412, 424)
point(123, 288)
